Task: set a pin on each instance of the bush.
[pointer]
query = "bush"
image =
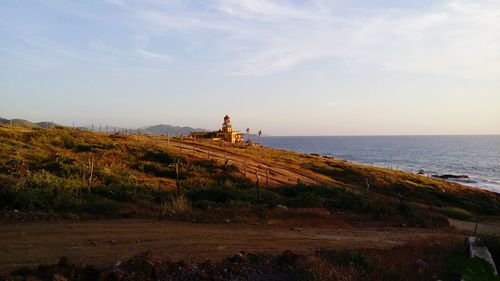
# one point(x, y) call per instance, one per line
point(175, 205)
point(493, 244)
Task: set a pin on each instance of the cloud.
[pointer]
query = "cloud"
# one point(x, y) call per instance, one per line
point(458, 38)
point(153, 56)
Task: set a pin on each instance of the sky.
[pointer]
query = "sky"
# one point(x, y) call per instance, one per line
point(311, 67)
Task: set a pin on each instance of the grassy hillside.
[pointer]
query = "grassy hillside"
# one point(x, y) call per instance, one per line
point(66, 170)
point(18, 123)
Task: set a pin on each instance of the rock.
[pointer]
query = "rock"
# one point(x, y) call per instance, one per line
point(293, 228)
point(279, 206)
point(450, 176)
point(141, 264)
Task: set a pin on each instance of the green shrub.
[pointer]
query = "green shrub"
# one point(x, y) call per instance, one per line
point(493, 244)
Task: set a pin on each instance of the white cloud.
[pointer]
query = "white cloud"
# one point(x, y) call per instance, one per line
point(459, 38)
point(455, 37)
point(153, 56)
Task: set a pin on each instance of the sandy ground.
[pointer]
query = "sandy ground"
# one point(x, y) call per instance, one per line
point(103, 242)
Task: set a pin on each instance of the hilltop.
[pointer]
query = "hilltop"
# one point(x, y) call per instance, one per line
point(66, 170)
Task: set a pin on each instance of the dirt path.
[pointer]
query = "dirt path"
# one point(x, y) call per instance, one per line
point(103, 242)
point(482, 228)
point(279, 173)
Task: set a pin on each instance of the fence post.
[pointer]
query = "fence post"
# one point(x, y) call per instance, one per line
point(257, 179)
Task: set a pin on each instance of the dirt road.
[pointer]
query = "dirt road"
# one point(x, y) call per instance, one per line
point(277, 173)
point(103, 242)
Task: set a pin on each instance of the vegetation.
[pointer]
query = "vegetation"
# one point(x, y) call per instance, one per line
point(67, 170)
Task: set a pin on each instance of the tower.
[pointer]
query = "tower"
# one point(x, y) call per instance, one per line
point(226, 126)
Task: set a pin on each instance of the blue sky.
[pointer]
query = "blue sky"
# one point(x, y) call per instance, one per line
point(312, 67)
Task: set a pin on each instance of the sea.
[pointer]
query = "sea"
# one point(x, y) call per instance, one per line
point(477, 156)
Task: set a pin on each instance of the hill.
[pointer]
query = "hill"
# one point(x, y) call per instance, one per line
point(19, 123)
point(163, 129)
point(66, 170)
point(47, 125)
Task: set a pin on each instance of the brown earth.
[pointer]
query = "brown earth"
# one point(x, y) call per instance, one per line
point(103, 242)
point(278, 173)
point(482, 228)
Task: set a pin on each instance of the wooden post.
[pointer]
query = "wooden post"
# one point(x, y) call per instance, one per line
point(208, 154)
point(475, 228)
point(267, 178)
point(168, 139)
point(181, 145)
point(257, 179)
point(245, 167)
point(90, 167)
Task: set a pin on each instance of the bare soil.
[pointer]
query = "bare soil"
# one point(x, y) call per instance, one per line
point(277, 173)
point(105, 241)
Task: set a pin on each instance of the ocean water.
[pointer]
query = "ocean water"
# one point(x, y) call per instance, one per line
point(475, 156)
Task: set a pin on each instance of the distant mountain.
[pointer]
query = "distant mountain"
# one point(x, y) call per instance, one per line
point(163, 129)
point(19, 123)
point(48, 125)
point(160, 129)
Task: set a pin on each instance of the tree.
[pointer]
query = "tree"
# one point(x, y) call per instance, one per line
point(259, 133)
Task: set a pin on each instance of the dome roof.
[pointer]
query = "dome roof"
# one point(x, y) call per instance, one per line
point(226, 117)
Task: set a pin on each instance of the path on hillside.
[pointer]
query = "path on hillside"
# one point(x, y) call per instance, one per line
point(104, 242)
point(279, 173)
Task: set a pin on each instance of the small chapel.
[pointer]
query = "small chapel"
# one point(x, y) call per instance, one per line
point(227, 133)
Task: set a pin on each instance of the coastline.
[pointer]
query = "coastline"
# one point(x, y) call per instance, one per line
point(473, 156)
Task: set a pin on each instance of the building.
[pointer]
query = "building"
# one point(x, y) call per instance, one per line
point(227, 133)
